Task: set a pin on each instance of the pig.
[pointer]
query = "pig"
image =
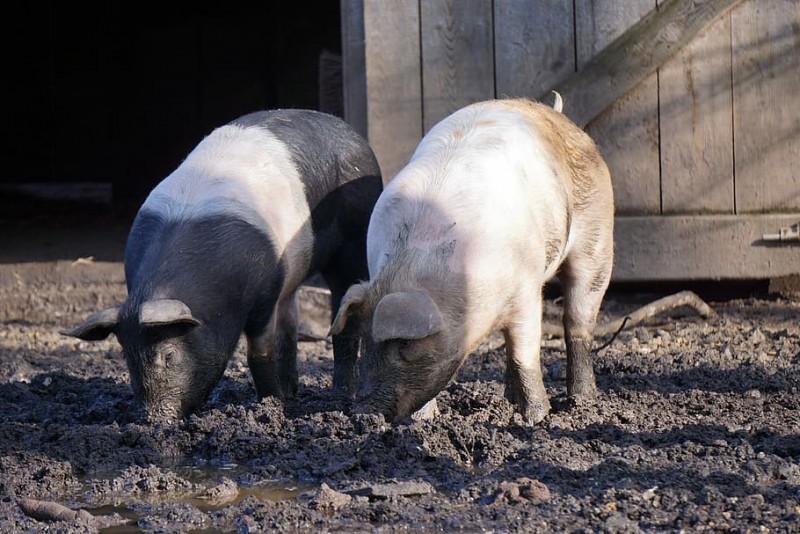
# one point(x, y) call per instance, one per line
point(497, 198)
point(220, 247)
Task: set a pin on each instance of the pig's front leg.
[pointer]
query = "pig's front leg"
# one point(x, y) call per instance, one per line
point(272, 355)
point(346, 343)
point(524, 383)
point(345, 355)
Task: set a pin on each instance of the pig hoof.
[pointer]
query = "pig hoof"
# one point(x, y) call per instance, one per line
point(582, 393)
point(534, 412)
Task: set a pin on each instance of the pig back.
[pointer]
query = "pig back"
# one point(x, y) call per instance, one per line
point(278, 171)
point(482, 183)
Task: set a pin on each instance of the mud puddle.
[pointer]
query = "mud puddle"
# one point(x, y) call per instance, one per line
point(210, 487)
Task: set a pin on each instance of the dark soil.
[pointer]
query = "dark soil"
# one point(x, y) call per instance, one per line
point(697, 427)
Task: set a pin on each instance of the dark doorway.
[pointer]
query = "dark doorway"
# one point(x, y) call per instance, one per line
point(101, 101)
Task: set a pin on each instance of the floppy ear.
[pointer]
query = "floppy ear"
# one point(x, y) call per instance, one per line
point(98, 326)
point(406, 315)
point(354, 297)
point(164, 312)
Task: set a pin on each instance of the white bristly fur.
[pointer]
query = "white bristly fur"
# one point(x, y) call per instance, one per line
point(497, 189)
point(245, 172)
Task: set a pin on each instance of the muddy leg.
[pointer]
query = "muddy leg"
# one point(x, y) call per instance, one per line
point(584, 280)
point(272, 356)
point(524, 384)
point(346, 343)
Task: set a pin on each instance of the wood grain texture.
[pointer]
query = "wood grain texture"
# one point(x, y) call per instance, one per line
point(457, 56)
point(766, 105)
point(695, 100)
point(627, 131)
point(394, 95)
point(686, 247)
point(354, 74)
point(534, 46)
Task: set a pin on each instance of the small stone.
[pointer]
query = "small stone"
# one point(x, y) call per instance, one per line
point(618, 522)
point(753, 394)
point(522, 490)
point(509, 491)
point(223, 493)
point(328, 498)
point(393, 489)
point(649, 494)
point(665, 336)
point(643, 334)
point(534, 490)
point(757, 337)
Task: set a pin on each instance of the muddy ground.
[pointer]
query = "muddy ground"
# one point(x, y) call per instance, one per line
point(697, 427)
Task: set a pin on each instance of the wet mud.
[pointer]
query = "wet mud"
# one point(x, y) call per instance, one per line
point(696, 428)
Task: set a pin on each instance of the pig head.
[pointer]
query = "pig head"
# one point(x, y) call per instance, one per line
point(411, 345)
point(173, 360)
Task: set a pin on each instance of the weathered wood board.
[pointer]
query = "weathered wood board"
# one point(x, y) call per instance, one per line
point(394, 92)
point(686, 247)
point(766, 105)
point(534, 46)
point(354, 75)
point(695, 99)
point(627, 132)
point(457, 56)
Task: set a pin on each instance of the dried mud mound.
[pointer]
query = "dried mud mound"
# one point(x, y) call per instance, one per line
point(697, 427)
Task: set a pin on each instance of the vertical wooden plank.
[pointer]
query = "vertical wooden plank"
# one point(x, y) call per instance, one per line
point(457, 56)
point(354, 74)
point(627, 132)
point(534, 46)
point(695, 100)
point(766, 104)
point(394, 95)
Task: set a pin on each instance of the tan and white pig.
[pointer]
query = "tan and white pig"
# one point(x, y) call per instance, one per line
point(497, 198)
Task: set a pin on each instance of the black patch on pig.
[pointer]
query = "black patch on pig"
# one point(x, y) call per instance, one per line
point(225, 269)
point(342, 183)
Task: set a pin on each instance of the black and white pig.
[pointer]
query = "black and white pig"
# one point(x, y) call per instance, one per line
point(222, 244)
point(497, 198)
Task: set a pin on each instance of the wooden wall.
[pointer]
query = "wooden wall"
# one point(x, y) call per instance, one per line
point(714, 133)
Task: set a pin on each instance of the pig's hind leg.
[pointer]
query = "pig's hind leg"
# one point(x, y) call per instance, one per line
point(584, 278)
point(272, 355)
point(524, 381)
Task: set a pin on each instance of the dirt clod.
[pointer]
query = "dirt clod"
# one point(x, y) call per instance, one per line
point(327, 498)
point(522, 490)
point(223, 493)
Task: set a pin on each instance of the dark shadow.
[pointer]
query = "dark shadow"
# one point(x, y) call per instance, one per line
point(703, 377)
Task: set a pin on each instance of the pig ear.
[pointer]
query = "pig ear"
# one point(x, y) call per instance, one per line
point(164, 312)
point(406, 315)
point(352, 299)
point(98, 326)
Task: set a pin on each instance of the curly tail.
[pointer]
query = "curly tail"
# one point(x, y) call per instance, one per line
point(558, 103)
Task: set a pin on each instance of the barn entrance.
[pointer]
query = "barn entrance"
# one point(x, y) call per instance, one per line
point(101, 101)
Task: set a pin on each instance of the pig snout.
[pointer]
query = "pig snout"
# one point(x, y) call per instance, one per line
point(371, 398)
